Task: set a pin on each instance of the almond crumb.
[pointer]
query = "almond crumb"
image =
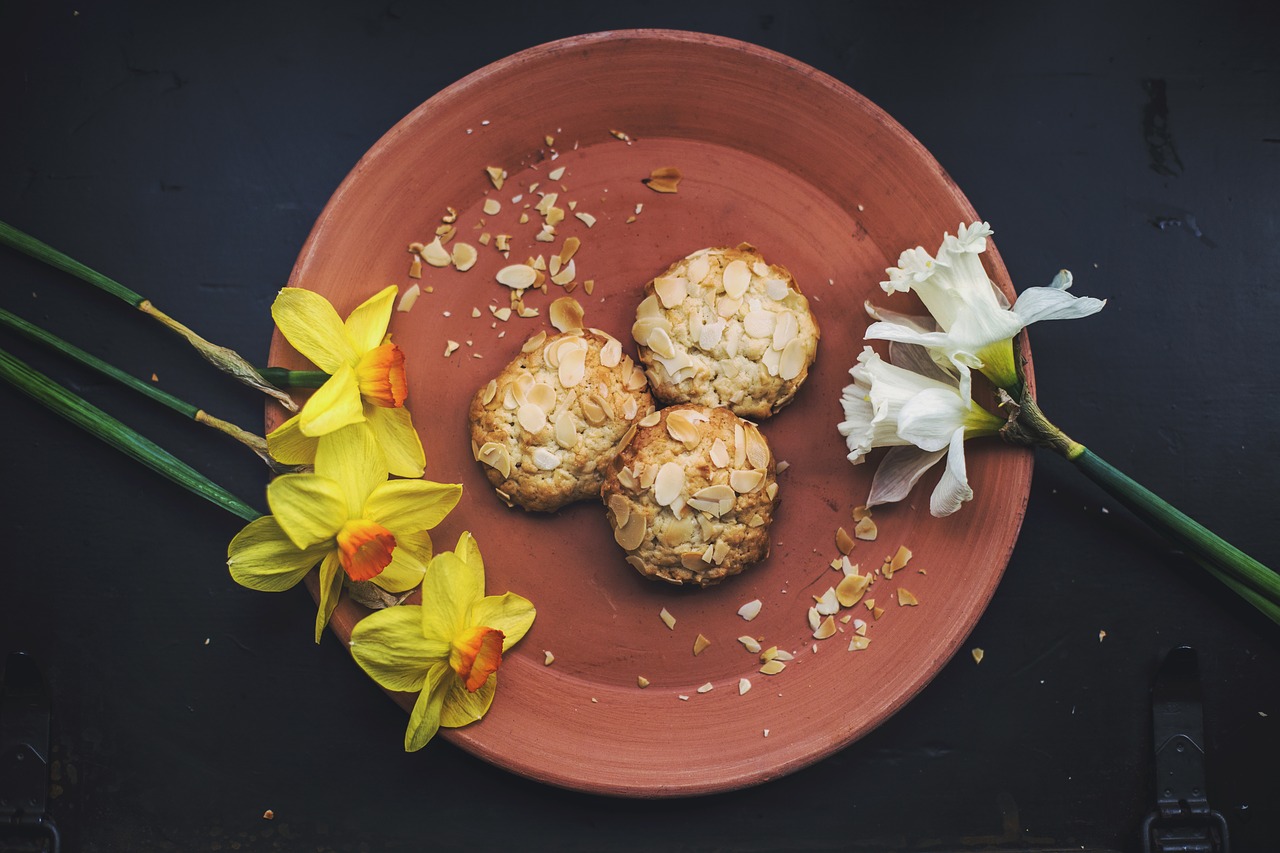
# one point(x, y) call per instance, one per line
point(700, 644)
point(977, 654)
point(549, 659)
point(641, 681)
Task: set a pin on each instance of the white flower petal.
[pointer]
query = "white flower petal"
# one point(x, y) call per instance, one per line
point(953, 488)
point(898, 473)
point(920, 323)
point(930, 418)
point(1061, 280)
point(1050, 303)
point(920, 360)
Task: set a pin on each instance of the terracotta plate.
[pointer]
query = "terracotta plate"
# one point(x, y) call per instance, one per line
point(773, 153)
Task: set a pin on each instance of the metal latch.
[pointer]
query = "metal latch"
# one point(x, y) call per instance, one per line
point(1182, 822)
point(24, 758)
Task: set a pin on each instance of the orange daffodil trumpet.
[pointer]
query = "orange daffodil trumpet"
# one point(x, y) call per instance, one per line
point(348, 517)
point(449, 648)
point(920, 405)
point(366, 379)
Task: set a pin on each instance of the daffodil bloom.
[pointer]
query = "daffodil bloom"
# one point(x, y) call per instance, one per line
point(349, 518)
point(972, 324)
point(922, 415)
point(449, 648)
point(366, 382)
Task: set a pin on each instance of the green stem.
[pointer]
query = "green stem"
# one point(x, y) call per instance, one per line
point(282, 378)
point(226, 360)
point(1253, 581)
point(101, 425)
point(256, 443)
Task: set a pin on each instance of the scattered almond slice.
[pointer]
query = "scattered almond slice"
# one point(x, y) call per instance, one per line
point(492, 206)
point(450, 347)
point(706, 688)
point(906, 598)
point(667, 619)
point(664, 179)
point(518, 276)
point(436, 254)
point(641, 681)
point(618, 134)
point(899, 561)
point(773, 667)
point(415, 267)
point(700, 644)
point(751, 644)
point(464, 256)
point(565, 313)
point(744, 685)
point(556, 174)
point(496, 175)
point(858, 642)
point(549, 659)
point(977, 654)
point(408, 298)
point(750, 610)
point(850, 590)
point(826, 629)
point(844, 541)
point(866, 529)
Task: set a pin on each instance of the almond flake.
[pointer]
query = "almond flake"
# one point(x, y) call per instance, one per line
point(899, 561)
point(641, 681)
point(773, 667)
point(736, 278)
point(706, 688)
point(851, 589)
point(866, 529)
point(450, 347)
point(632, 533)
point(668, 619)
point(827, 603)
point(751, 644)
point(409, 297)
point(549, 658)
point(415, 267)
point(826, 629)
point(906, 598)
point(518, 276)
point(492, 206)
point(744, 481)
point(569, 249)
point(857, 643)
point(663, 180)
point(700, 644)
point(844, 541)
point(496, 175)
point(556, 174)
point(534, 342)
point(977, 654)
point(436, 254)
point(565, 313)
point(743, 685)
point(587, 218)
point(532, 418)
point(669, 483)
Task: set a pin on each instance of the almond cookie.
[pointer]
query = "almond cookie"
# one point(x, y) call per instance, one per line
point(724, 328)
point(691, 495)
point(547, 426)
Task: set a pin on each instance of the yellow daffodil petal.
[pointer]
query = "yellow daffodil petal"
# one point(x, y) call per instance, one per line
point(449, 589)
point(330, 591)
point(380, 374)
point(411, 505)
point(310, 509)
point(398, 440)
point(352, 459)
point(262, 557)
point(313, 327)
point(511, 614)
point(424, 720)
point(462, 707)
point(389, 646)
point(289, 446)
point(364, 548)
point(407, 567)
point(468, 550)
point(367, 325)
point(334, 405)
point(476, 654)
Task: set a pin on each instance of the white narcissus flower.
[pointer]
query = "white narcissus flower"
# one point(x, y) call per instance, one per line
point(921, 414)
point(972, 323)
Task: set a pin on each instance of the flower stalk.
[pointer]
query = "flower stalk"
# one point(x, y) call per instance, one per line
point(226, 360)
point(1255, 582)
point(256, 443)
point(98, 423)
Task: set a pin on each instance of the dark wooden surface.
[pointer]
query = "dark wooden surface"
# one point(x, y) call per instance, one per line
point(187, 148)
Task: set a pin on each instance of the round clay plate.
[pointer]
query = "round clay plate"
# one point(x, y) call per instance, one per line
point(773, 153)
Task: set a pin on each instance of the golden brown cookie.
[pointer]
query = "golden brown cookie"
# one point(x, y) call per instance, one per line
point(691, 495)
point(723, 327)
point(547, 426)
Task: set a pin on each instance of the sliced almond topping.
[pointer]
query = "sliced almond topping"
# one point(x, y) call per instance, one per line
point(534, 342)
point(611, 353)
point(736, 278)
point(496, 457)
point(649, 419)
point(743, 481)
point(518, 276)
point(750, 610)
point(665, 179)
point(682, 429)
point(851, 589)
point(771, 491)
point(719, 454)
point(844, 541)
point(776, 289)
point(565, 313)
point(490, 391)
point(693, 560)
point(436, 254)
point(757, 448)
point(727, 307)
point(636, 379)
point(496, 175)
point(573, 366)
point(759, 324)
point(566, 431)
point(621, 509)
point(593, 411)
point(773, 667)
point(545, 459)
point(660, 342)
point(757, 520)
point(542, 395)
point(668, 484)
point(668, 619)
point(646, 474)
point(677, 533)
point(630, 535)
point(785, 330)
point(751, 644)
point(698, 268)
point(739, 446)
point(792, 361)
point(906, 598)
point(700, 644)
point(532, 418)
point(670, 289)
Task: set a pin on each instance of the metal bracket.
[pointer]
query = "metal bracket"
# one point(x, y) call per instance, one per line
point(24, 757)
point(1183, 822)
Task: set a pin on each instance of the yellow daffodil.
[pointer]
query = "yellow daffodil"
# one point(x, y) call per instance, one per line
point(366, 379)
point(449, 648)
point(349, 518)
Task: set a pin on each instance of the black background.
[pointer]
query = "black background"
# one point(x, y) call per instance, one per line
point(186, 150)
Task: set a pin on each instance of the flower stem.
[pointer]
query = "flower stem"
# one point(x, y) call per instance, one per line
point(256, 443)
point(101, 425)
point(283, 378)
point(1255, 582)
point(226, 360)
